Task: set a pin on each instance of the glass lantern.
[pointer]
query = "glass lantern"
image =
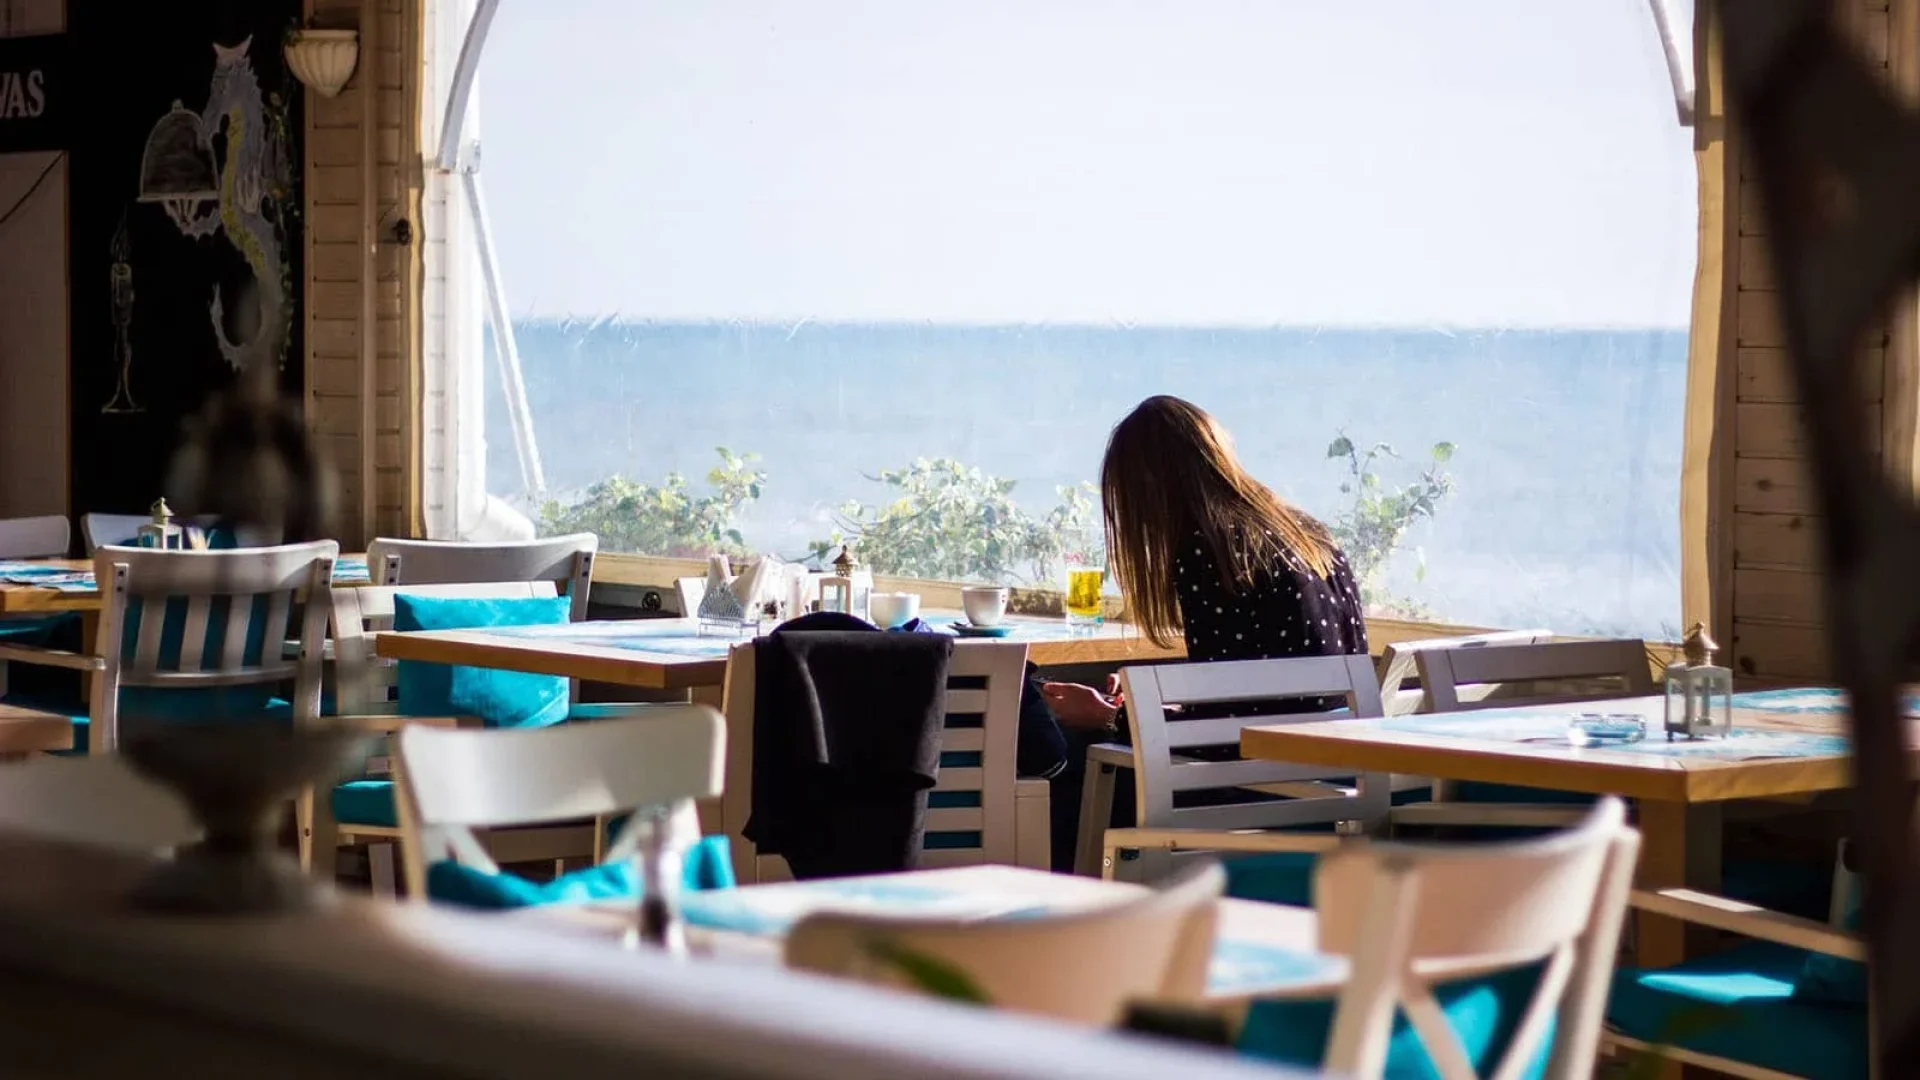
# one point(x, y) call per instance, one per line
point(1699, 692)
point(161, 532)
point(847, 590)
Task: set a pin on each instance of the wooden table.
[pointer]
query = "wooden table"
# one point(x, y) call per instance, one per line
point(1679, 787)
point(670, 654)
point(1261, 950)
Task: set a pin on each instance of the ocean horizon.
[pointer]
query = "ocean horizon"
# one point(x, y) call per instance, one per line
point(1567, 461)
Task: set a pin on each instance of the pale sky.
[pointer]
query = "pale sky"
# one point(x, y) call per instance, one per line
point(1197, 162)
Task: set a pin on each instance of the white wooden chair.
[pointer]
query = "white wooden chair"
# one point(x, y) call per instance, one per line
point(1081, 966)
point(1161, 771)
point(1455, 679)
point(104, 530)
point(35, 537)
point(1399, 666)
point(567, 561)
point(367, 698)
point(97, 801)
point(454, 782)
point(242, 599)
point(1010, 817)
point(1411, 916)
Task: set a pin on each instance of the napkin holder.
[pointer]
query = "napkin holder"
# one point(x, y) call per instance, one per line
point(724, 610)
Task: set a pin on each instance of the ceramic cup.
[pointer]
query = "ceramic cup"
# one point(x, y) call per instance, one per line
point(892, 610)
point(985, 605)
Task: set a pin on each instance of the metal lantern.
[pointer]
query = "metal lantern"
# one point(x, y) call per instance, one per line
point(836, 589)
point(161, 532)
point(1699, 692)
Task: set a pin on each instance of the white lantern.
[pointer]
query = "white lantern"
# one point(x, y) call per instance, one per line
point(1699, 692)
point(161, 532)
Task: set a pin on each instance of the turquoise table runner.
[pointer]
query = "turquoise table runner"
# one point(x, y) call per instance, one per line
point(772, 910)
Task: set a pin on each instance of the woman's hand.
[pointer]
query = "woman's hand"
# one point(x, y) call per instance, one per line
point(1078, 706)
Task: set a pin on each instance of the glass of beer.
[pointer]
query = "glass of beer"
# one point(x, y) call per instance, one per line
point(1085, 582)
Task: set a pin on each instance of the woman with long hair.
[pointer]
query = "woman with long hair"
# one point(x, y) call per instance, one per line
point(1203, 550)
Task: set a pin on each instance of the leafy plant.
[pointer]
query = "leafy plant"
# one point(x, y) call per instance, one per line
point(954, 522)
point(1374, 523)
point(668, 519)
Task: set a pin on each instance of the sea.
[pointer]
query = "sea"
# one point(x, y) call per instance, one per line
point(1567, 442)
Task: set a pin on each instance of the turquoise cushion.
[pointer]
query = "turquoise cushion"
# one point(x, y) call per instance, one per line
point(1476, 791)
point(365, 802)
point(708, 865)
point(1483, 1012)
point(1741, 1005)
point(1279, 878)
point(1835, 980)
point(500, 698)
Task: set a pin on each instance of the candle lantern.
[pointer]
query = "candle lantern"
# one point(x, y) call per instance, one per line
point(161, 532)
point(848, 589)
point(1699, 692)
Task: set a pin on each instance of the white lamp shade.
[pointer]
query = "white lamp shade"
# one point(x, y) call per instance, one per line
point(323, 59)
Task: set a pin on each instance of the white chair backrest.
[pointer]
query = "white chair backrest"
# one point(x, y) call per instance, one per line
point(101, 530)
point(1398, 665)
point(98, 801)
point(1159, 735)
point(365, 683)
point(234, 613)
point(978, 750)
point(1083, 966)
point(454, 781)
point(1397, 909)
point(35, 537)
point(1621, 662)
point(567, 561)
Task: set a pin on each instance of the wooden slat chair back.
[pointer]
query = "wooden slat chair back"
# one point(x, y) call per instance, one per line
point(453, 782)
point(1403, 913)
point(35, 537)
point(1162, 772)
point(97, 801)
point(980, 811)
point(234, 612)
point(1400, 691)
point(1084, 966)
point(1613, 668)
point(567, 561)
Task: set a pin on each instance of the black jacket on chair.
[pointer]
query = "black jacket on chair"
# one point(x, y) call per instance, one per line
point(846, 743)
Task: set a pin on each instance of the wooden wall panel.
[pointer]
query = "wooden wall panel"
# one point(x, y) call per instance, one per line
point(1776, 603)
point(369, 441)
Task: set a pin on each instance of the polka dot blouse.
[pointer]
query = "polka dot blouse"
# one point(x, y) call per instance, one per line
point(1288, 611)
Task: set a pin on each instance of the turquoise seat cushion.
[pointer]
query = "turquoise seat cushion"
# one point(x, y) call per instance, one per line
point(1484, 1012)
point(1742, 1005)
point(1284, 877)
point(1835, 980)
point(1477, 791)
point(365, 802)
point(708, 865)
point(499, 698)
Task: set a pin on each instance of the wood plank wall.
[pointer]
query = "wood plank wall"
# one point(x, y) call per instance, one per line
point(1775, 587)
point(359, 193)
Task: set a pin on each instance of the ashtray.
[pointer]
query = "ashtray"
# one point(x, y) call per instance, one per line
point(1606, 729)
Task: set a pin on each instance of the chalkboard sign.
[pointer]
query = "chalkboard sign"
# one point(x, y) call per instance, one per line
point(184, 228)
point(35, 101)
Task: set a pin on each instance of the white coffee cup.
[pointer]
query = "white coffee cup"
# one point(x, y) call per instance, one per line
point(985, 605)
point(892, 610)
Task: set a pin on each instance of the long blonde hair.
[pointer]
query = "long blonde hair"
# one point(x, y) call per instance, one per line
point(1170, 473)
